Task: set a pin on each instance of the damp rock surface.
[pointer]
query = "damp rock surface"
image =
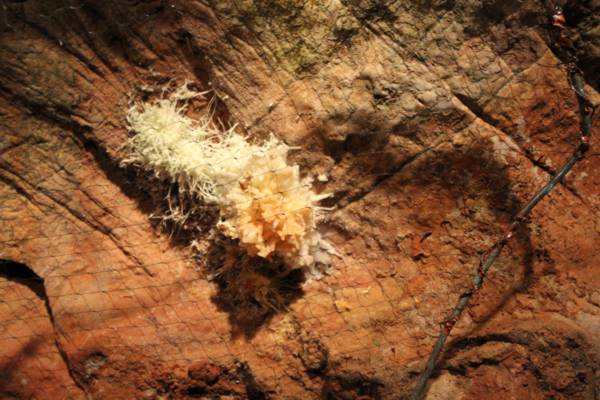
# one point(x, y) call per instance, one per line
point(430, 122)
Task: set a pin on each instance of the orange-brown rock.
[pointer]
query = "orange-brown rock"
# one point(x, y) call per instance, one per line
point(434, 121)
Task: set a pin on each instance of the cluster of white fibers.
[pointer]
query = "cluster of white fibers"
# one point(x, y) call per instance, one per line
point(264, 202)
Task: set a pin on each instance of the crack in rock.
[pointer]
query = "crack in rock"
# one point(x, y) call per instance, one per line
point(24, 275)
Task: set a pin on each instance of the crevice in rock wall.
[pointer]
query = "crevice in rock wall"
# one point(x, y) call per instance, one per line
point(383, 177)
point(351, 386)
point(253, 390)
point(94, 224)
point(22, 274)
point(466, 343)
point(204, 380)
point(18, 188)
point(480, 113)
point(476, 109)
point(561, 364)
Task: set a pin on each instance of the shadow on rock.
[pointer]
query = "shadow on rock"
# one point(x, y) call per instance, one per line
point(472, 175)
point(250, 289)
point(10, 386)
point(469, 175)
point(351, 387)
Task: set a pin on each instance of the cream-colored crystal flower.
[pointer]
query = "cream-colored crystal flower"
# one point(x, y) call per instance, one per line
point(264, 202)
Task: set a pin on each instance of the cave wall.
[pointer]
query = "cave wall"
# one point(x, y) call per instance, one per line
point(433, 121)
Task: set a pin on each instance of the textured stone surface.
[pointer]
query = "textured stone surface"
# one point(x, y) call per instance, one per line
point(433, 121)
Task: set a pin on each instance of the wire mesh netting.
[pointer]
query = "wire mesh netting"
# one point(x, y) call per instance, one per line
point(101, 297)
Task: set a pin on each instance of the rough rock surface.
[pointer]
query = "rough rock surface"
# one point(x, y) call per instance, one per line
point(434, 120)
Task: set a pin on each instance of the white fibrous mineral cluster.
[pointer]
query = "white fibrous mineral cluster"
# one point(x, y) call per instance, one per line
point(264, 202)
